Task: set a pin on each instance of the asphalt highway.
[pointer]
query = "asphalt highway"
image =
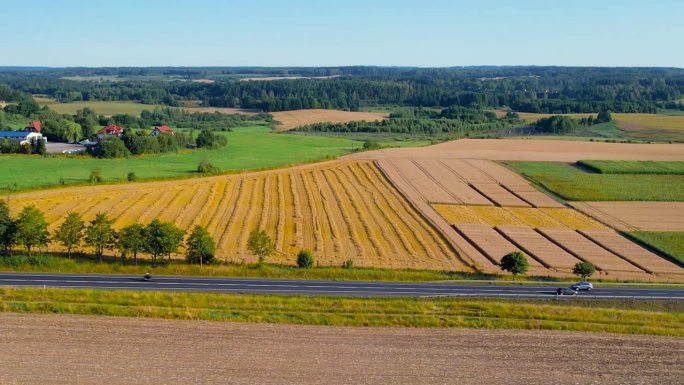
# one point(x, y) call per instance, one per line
point(318, 287)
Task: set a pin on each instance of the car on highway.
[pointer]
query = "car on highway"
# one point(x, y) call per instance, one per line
point(566, 291)
point(582, 286)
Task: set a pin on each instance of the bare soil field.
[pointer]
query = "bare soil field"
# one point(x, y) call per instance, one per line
point(532, 150)
point(338, 210)
point(631, 216)
point(60, 349)
point(292, 119)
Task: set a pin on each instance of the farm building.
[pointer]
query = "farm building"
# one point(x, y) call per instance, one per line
point(34, 126)
point(161, 130)
point(109, 130)
point(21, 136)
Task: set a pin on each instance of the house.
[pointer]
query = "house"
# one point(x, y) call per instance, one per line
point(24, 137)
point(161, 130)
point(34, 126)
point(108, 131)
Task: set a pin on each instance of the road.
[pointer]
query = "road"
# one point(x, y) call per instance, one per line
point(318, 287)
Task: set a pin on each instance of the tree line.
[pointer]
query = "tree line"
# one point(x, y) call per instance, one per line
point(157, 239)
point(552, 90)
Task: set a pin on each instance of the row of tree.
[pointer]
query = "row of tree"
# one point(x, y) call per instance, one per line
point(30, 230)
point(516, 264)
point(530, 89)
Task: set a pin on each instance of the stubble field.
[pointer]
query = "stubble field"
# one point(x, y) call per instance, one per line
point(291, 119)
point(338, 210)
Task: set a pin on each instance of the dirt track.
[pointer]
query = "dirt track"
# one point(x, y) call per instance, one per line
point(58, 349)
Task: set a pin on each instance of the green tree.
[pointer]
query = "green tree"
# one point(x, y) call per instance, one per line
point(584, 269)
point(7, 227)
point(208, 139)
point(72, 132)
point(603, 117)
point(260, 244)
point(132, 240)
point(162, 238)
point(305, 259)
point(515, 263)
point(100, 235)
point(31, 228)
point(112, 147)
point(200, 246)
point(70, 233)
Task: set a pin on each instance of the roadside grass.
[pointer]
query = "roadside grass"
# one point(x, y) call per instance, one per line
point(652, 318)
point(249, 148)
point(82, 264)
point(633, 167)
point(573, 184)
point(668, 243)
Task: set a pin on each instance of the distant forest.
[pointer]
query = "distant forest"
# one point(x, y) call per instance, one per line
point(525, 89)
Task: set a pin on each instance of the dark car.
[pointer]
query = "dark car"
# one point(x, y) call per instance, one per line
point(566, 291)
point(580, 286)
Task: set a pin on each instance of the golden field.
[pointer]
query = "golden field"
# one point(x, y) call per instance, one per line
point(339, 210)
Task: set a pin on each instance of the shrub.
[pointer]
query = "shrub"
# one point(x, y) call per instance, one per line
point(305, 259)
point(205, 167)
point(95, 175)
point(131, 177)
point(584, 269)
point(348, 264)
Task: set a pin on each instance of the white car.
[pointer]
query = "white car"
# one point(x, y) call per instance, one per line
point(582, 286)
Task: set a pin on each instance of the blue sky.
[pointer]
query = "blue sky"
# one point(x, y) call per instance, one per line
point(425, 33)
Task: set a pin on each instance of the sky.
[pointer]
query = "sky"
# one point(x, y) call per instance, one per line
point(425, 33)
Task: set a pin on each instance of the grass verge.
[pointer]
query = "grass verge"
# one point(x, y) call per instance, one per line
point(573, 184)
point(654, 318)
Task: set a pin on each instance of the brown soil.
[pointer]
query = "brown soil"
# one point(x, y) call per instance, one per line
point(291, 119)
point(533, 150)
point(59, 349)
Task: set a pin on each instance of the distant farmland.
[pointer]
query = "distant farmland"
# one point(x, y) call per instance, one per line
point(291, 119)
point(100, 107)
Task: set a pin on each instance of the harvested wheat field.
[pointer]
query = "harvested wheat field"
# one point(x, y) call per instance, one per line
point(532, 150)
point(61, 349)
point(554, 239)
point(339, 210)
point(632, 216)
point(292, 119)
point(222, 110)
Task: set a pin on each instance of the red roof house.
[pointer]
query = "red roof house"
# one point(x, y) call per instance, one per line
point(109, 130)
point(34, 126)
point(161, 130)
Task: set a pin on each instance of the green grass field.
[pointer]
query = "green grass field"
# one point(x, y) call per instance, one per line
point(639, 317)
point(633, 167)
point(573, 184)
point(669, 243)
point(100, 107)
point(255, 147)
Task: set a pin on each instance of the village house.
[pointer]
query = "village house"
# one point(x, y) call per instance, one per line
point(31, 132)
point(109, 131)
point(161, 130)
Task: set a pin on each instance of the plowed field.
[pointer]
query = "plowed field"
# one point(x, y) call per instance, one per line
point(339, 210)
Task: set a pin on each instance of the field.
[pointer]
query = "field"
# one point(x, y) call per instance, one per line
point(255, 147)
point(486, 210)
point(573, 184)
point(534, 150)
point(100, 107)
point(399, 356)
point(339, 210)
point(291, 119)
point(669, 243)
point(633, 167)
point(638, 126)
point(632, 216)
